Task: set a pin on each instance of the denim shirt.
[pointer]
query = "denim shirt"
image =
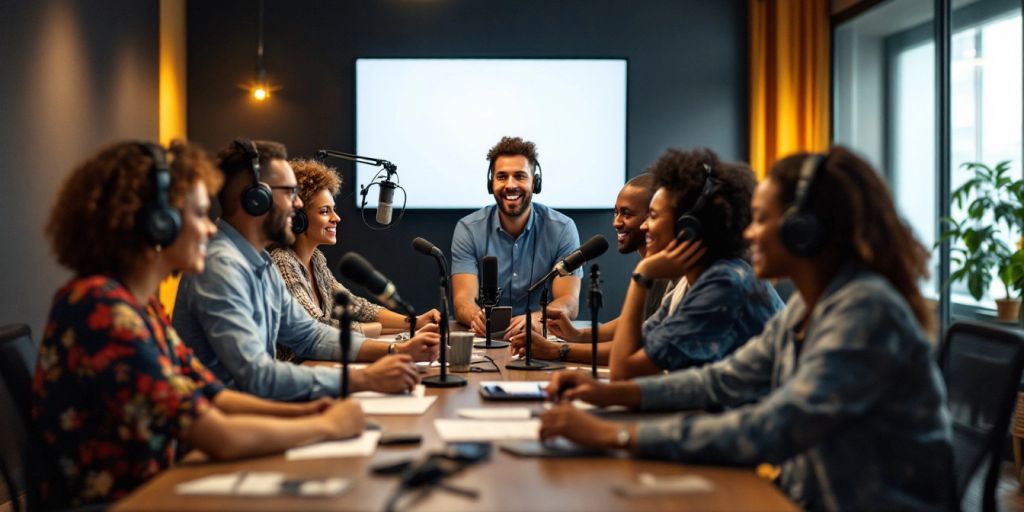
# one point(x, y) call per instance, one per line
point(724, 308)
point(235, 313)
point(549, 236)
point(856, 418)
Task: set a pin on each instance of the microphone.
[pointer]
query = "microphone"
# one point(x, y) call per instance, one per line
point(423, 246)
point(356, 268)
point(384, 200)
point(596, 246)
point(489, 280)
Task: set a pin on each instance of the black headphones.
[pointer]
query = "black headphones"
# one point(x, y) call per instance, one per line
point(537, 176)
point(256, 198)
point(801, 230)
point(300, 221)
point(688, 226)
point(158, 222)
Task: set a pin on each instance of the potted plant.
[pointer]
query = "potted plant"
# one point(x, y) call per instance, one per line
point(994, 214)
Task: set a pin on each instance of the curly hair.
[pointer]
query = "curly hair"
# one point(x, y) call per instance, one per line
point(726, 213)
point(514, 146)
point(234, 161)
point(856, 211)
point(92, 226)
point(314, 176)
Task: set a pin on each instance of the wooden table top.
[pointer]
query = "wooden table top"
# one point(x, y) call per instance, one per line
point(505, 482)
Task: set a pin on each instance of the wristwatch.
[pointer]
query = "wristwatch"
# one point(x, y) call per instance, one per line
point(563, 352)
point(391, 348)
point(623, 437)
point(642, 280)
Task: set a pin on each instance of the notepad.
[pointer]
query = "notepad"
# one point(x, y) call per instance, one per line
point(648, 484)
point(382, 404)
point(362, 446)
point(260, 484)
point(456, 430)
point(495, 413)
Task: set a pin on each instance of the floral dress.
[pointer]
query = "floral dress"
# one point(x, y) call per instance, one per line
point(113, 392)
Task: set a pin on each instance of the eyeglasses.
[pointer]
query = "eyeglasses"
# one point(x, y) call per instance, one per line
point(293, 191)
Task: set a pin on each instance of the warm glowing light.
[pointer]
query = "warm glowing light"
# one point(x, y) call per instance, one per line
point(260, 93)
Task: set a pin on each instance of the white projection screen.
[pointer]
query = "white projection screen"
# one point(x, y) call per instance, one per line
point(436, 118)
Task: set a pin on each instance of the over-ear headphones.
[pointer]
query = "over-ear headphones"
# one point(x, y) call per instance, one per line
point(688, 226)
point(256, 198)
point(159, 223)
point(537, 176)
point(801, 230)
point(300, 221)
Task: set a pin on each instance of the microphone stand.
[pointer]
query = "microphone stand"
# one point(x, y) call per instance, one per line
point(345, 338)
point(488, 303)
point(594, 300)
point(528, 363)
point(544, 310)
point(443, 380)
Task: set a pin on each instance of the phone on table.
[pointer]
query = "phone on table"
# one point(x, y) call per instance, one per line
point(467, 452)
point(501, 316)
point(513, 391)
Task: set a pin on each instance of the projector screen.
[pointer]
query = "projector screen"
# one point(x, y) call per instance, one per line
point(437, 118)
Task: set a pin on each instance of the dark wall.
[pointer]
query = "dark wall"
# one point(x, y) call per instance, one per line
point(687, 87)
point(77, 75)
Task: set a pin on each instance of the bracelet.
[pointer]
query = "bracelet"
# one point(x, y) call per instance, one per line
point(642, 280)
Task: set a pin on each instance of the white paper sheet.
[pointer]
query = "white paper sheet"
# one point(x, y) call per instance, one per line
point(419, 390)
point(450, 430)
point(362, 446)
point(259, 484)
point(399, 406)
point(495, 413)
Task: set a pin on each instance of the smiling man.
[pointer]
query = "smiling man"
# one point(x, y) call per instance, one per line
point(527, 238)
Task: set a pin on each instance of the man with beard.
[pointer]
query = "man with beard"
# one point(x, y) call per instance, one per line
point(236, 312)
point(528, 240)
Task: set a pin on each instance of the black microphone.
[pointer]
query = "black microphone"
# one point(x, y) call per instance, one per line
point(423, 246)
point(489, 280)
point(356, 268)
point(384, 200)
point(596, 246)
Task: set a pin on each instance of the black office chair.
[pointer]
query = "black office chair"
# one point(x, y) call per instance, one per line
point(17, 362)
point(981, 365)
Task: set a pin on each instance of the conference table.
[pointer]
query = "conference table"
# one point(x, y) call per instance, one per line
point(504, 482)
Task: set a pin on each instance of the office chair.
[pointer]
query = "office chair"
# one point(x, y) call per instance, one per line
point(981, 365)
point(17, 363)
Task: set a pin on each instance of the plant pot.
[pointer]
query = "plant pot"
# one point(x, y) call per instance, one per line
point(1007, 310)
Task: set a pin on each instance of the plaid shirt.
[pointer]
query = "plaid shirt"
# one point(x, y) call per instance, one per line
point(856, 418)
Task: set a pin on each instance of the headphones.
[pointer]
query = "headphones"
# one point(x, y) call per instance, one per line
point(159, 223)
point(256, 198)
point(300, 221)
point(801, 230)
point(688, 226)
point(537, 176)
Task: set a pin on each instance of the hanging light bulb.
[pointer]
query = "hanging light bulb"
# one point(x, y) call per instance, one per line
point(260, 88)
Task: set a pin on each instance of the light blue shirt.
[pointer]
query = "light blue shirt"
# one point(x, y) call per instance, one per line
point(234, 314)
point(549, 236)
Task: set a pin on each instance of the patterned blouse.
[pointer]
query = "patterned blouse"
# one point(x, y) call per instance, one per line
point(297, 281)
point(114, 389)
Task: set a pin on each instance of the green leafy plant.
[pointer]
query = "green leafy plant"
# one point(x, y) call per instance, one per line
point(995, 213)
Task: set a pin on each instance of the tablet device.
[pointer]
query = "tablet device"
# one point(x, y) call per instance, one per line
point(513, 391)
point(557, 447)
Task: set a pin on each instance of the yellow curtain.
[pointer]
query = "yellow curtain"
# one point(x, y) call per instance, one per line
point(172, 100)
point(789, 79)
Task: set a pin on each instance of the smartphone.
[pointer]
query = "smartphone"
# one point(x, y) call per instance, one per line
point(501, 316)
point(513, 391)
point(557, 447)
point(391, 438)
point(467, 452)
